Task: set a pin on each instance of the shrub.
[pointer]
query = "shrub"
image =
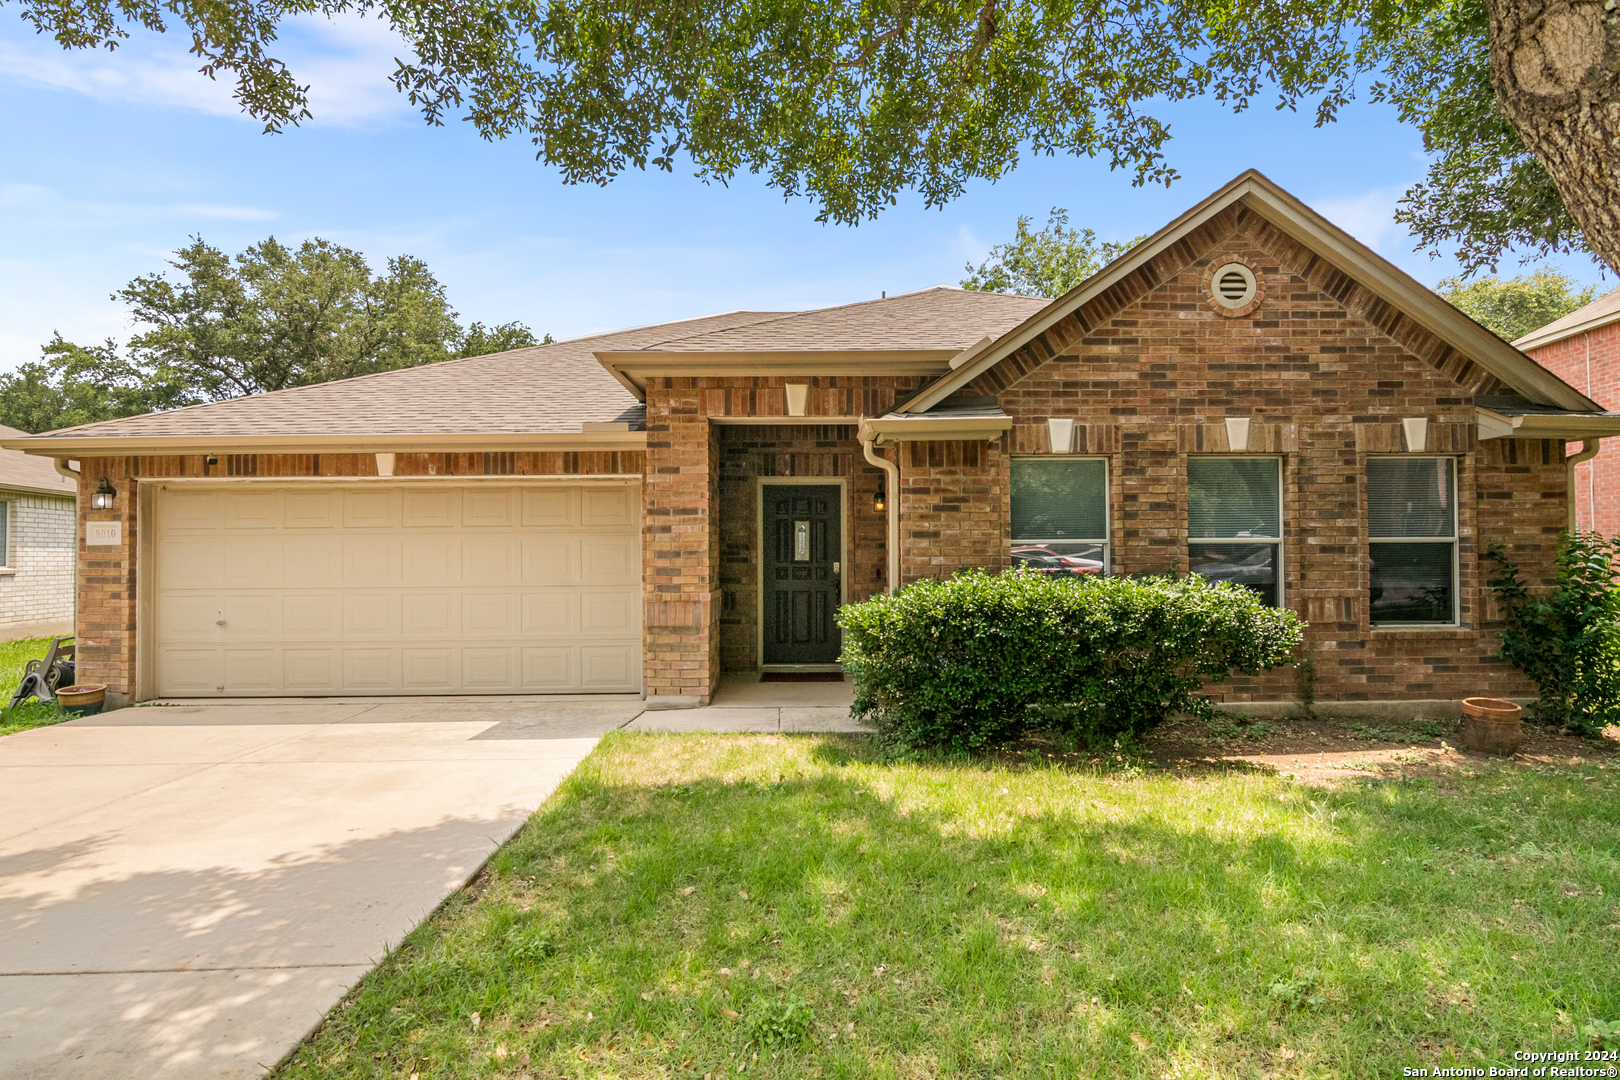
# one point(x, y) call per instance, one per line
point(976, 659)
point(1567, 641)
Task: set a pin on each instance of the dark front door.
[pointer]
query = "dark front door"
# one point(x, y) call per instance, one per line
point(802, 549)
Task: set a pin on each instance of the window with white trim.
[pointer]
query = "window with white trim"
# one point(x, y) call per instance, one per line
point(1412, 540)
point(1234, 522)
point(1060, 515)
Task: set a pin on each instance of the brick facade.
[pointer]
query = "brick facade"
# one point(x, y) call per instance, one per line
point(1325, 373)
point(1590, 362)
point(36, 569)
point(108, 575)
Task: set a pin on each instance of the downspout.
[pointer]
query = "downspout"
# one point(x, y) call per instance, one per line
point(892, 482)
point(62, 467)
point(1589, 450)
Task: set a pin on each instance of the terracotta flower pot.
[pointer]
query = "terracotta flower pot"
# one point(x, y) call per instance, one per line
point(84, 700)
point(1491, 726)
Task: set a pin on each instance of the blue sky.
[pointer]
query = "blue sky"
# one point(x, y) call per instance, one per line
point(113, 160)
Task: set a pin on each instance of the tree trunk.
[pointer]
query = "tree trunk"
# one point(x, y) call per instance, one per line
point(1556, 68)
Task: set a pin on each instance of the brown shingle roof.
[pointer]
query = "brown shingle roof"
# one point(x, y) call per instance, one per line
point(938, 318)
point(20, 472)
point(543, 389)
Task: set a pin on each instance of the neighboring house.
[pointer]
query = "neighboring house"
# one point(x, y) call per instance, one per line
point(1583, 349)
point(1249, 393)
point(37, 524)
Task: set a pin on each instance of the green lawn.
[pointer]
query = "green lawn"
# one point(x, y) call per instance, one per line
point(690, 905)
point(14, 656)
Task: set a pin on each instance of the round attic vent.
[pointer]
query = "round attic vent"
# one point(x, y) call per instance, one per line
point(1232, 287)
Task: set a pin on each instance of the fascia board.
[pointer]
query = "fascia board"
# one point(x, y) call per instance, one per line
point(134, 445)
point(1543, 426)
point(66, 491)
point(633, 369)
point(1537, 339)
point(1326, 239)
point(893, 429)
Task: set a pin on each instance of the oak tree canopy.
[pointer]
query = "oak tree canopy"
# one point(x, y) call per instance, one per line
point(850, 102)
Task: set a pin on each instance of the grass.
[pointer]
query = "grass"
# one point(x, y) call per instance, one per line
point(14, 657)
point(700, 905)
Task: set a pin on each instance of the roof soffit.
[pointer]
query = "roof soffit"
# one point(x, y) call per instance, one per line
point(1277, 207)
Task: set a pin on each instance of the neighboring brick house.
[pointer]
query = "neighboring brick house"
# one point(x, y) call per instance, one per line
point(37, 523)
point(1583, 349)
point(1249, 394)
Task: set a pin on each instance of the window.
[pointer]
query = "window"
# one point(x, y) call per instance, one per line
point(1060, 515)
point(1412, 539)
point(1234, 522)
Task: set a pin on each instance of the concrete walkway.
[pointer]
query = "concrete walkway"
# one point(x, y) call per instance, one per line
point(742, 704)
point(186, 890)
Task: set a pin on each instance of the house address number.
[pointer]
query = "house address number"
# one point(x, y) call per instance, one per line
point(103, 533)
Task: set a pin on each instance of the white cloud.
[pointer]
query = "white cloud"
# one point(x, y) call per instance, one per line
point(1369, 217)
point(229, 213)
point(345, 63)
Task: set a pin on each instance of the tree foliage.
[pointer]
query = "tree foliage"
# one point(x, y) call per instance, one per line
point(1567, 640)
point(268, 319)
point(1511, 309)
point(1046, 263)
point(851, 102)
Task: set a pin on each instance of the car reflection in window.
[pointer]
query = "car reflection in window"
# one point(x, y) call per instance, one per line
point(1043, 560)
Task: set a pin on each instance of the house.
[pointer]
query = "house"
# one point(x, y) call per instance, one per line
point(37, 524)
point(1583, 349)
point(1250, 393)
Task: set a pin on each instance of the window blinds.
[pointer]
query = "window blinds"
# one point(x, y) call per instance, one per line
point(1411, 497)
point(1059, 499)
point(1233, 497)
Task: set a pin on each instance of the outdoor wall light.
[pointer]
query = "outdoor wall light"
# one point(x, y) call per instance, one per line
point(102, 498)
point(879, 503)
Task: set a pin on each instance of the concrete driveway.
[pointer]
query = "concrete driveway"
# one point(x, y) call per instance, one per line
point(185, 890)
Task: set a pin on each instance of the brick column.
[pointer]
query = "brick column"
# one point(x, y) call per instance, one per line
point(680, 548)
point(107, 587)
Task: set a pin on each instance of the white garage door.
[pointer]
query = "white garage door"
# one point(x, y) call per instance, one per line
point(396, 588)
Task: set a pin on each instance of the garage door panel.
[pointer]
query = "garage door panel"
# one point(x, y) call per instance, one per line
point(603, 667)
point(378, 509)
point(370, 615)
point(550, 560)
point(309, 563)
point(190, 617)
point(312, 509)
point(311, 615)
point(192, 671)
point(550, 508)
point(488, 670)
point(609, 559)
point(429, 671)
point(311, 670)
point(415, 588)
point(191, 563)
point(253, 509)
point(610, 506)
point(484, 507)
point(425, 509)
point(552, 614)
point(252, 671)
point(604, 612)
point(370, 669)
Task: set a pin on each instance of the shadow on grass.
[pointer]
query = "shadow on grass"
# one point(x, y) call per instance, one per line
point(957, 918)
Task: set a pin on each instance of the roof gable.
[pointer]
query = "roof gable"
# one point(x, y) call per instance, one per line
point(1348, 270)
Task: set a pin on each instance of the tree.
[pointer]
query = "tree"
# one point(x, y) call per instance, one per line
point(850, 102)
point(1046, 263)
point(270, 318)
point(1511, 309)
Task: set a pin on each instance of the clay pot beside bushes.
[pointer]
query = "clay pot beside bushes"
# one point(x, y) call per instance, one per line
point(83, 700)
point(1491, 726)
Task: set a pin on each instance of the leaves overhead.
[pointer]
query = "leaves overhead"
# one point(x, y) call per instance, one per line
point(270, 318)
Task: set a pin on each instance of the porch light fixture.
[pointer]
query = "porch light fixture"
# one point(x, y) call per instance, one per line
point(102, 498)
point(879, 502)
